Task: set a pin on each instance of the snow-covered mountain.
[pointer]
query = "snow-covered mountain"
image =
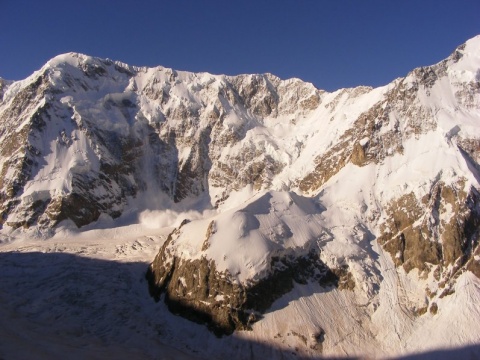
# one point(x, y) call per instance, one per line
point(363, 197)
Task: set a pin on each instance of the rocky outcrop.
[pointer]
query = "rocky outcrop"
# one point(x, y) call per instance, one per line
point(438, 233)
point(196, 290)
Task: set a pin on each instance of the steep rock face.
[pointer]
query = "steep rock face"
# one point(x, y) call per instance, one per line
point(440, 229)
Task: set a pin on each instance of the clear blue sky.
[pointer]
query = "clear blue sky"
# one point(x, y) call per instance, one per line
point(333, 44)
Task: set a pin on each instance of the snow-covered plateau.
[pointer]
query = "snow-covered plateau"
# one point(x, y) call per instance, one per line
point(154, 213)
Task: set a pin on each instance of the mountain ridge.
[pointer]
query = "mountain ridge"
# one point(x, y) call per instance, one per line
point(348, 184)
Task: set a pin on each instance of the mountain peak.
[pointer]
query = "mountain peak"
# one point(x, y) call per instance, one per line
point(282, 183)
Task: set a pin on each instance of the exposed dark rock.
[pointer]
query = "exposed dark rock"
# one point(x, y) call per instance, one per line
point(358, 156)
point(318, 338)
point(74, 207)
point(473, 263)
point(196, 290)
point(210, 231)
point(31, 214)
point(441, 229)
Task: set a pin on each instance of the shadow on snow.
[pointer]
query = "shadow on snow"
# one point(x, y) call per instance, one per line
point(53, 304)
